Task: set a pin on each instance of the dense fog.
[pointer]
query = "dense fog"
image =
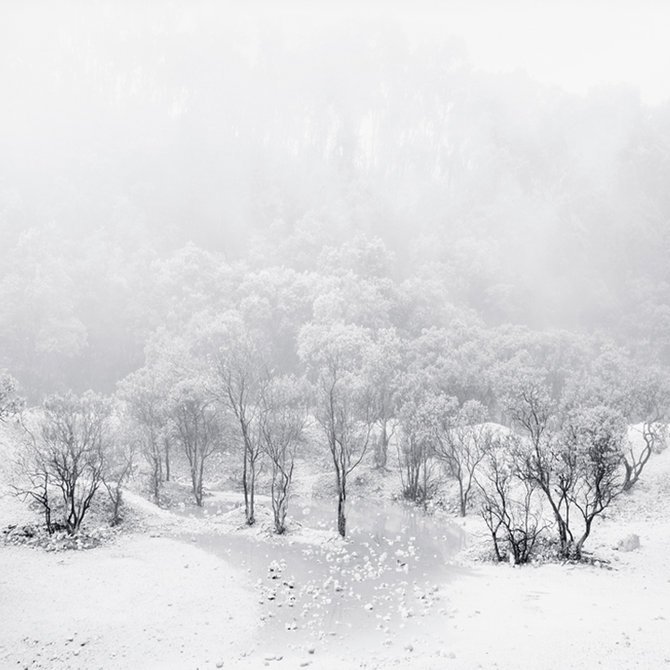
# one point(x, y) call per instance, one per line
point(334, 334)
point(159, 160)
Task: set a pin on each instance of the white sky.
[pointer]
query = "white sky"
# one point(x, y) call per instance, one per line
point(573, 45)
point(576, 45)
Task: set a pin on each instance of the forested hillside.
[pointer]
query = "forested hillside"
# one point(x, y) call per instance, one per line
point(334, 334)
point(158, 164)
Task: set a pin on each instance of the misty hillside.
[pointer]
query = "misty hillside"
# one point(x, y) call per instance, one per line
point(334, 334)
point(151, 158)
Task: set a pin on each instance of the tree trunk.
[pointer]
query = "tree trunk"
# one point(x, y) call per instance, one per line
point(494, 535)
point(47, 519)
point(249, 490)
point(248, 480)
point(197, 493)
point(563, 530)
point(634, 469)
point(167, 459)
point(116, 505)
point(341, 512)
point(381, 453)
point(251, 520)
point(156, 480)
point(463, 498)
point(196, 480)
point(578, 546)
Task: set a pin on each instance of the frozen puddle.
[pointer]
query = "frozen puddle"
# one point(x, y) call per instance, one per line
point(366, 590)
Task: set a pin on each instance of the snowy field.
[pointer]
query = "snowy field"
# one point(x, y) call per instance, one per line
point(334, 335)
point(404, 590)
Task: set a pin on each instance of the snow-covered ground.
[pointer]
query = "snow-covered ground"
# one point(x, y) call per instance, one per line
point(142, 603)
point(200, 591)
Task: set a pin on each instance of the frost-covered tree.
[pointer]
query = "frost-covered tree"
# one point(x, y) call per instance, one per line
point(239, 377)
point(541, 460)
point(416, 446)
point(650, 401)
point(143, 397)
point(121, 461)
point(462, 441)
point(334, 355)
point(197, 427)
point(593, 442)
point(10, 402)
point(385, 366)
point(68, 453)
point(284, 407)
point(508, 502)
point(640, 392)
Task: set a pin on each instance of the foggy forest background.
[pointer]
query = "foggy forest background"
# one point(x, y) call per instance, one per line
point(158, 168)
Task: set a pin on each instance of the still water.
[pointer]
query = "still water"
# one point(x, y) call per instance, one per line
point(370, 589)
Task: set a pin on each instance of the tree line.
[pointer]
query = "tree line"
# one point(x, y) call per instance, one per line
point(520, 421)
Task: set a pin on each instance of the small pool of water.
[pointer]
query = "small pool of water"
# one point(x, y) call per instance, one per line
point(368, 589)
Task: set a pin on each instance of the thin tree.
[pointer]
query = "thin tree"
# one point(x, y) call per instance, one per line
point(344, 400)
point(416, 449)
point(242, 386)
point(541, 459)
point(32, 476)
point(650, 391)
point(462, 442)
point(346, 419)
point(240, 376)
point(384, 366)
point(282, 422)
point(121, 463)
point(594, 441)
point(144, 399)
point(197, 428)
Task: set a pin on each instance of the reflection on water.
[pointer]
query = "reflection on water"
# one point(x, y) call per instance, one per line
point(368, 589)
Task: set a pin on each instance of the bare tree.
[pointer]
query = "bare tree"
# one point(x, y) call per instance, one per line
point(508, 504)
point(462, 442)
point(541, 460)
point(282, 421)
point(70, 455)
point(121, 461)
point(594, 439)
point(144, 396)
point(344, 400)
point(33, 476)
point(197, 428)
point(241, 377)
point(654, 437)
point(242, 387)
point(416, 448)
point(650, 389)
point(383, 367)
point(344, 415)
point(574, 457)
